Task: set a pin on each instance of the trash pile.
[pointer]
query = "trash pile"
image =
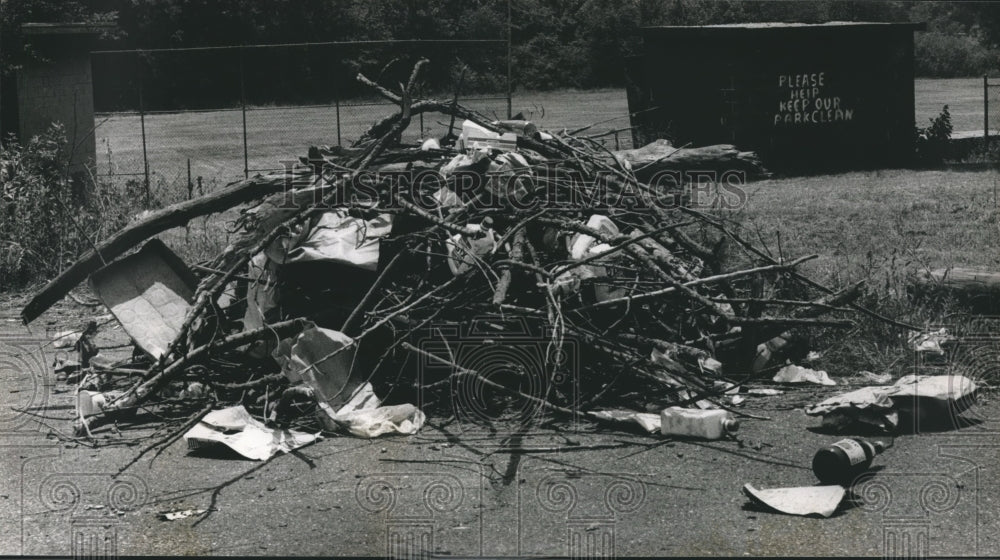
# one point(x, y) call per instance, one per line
point(503, 267)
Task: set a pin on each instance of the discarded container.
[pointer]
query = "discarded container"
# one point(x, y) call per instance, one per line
point(476, 137)
point(766, 351)
point(580, 244)
point(704, 424)
point(845, 460)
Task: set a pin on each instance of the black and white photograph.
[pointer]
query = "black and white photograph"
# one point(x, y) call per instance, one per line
point(499, 278)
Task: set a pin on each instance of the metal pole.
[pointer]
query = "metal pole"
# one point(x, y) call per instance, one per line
point(986, 112)
point(243, 104)
point(145, 157)
point(190, 184)
point(337, 101)
point(509, 106)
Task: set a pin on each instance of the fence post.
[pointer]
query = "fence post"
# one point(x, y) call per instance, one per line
point(337, 102)
point(986, 113)
point(243, 105)
point(142, 128)
point(509, 105)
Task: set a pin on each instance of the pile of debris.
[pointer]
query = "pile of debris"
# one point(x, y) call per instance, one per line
point(533, 266)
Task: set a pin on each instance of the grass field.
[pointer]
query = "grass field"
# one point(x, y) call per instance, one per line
point(213, 140)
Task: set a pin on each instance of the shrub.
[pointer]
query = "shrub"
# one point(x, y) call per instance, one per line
point(46, 220)
point(932, 141)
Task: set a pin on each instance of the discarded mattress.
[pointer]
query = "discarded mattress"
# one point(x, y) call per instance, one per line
point(149, 293)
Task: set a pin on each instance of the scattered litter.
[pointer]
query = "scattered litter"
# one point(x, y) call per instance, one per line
point(237, 430)
point(797, 374)
point(150, 293)
point(181, 514)
point(759, 392)
point(363, 416)
point(930, 342)
point(628, 297)
point(925, 396)
point(702, 424)
point(339, 238)
point(476, 137)
point(803, 500)
point(322, 359)
point(649, 421)
point(845, 460)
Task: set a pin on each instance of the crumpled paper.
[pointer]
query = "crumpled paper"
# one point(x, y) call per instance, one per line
point(798, 374)
point(364, 416)
point(337, 237)
point(309, 358)
point(237, 430)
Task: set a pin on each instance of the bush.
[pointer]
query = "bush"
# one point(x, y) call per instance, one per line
point(46, 220)
point(932, 141)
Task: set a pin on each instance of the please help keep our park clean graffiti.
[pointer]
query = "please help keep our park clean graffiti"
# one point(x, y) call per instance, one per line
point(807, 102)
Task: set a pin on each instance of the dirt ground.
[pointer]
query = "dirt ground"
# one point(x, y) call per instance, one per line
point(557, 489)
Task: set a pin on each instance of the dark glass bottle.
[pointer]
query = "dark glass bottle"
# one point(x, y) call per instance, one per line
point(843, 461)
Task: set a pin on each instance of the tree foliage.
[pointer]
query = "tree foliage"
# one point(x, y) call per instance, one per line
point(556, 43)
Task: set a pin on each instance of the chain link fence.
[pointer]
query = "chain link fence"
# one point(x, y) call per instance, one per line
point(220, 114)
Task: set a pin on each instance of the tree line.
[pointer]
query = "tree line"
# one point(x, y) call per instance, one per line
point(554, 43)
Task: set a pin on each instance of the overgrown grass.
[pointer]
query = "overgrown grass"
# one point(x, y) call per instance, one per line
point(881, 227)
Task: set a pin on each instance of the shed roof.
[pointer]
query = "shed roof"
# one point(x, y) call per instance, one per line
point(775, 26)
point(74, 28)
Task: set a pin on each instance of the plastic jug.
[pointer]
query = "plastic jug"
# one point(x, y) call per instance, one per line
point(691, 422)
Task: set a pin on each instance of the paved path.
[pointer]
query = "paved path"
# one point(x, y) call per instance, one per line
point(459, 492)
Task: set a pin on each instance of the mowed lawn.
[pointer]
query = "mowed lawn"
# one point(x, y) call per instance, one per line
point(878, 225)
point(213, 140)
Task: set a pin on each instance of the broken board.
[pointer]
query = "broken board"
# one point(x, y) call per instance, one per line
point(149, 292)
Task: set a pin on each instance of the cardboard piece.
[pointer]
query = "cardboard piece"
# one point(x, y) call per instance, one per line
point(149, 293)
point(804, 500)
